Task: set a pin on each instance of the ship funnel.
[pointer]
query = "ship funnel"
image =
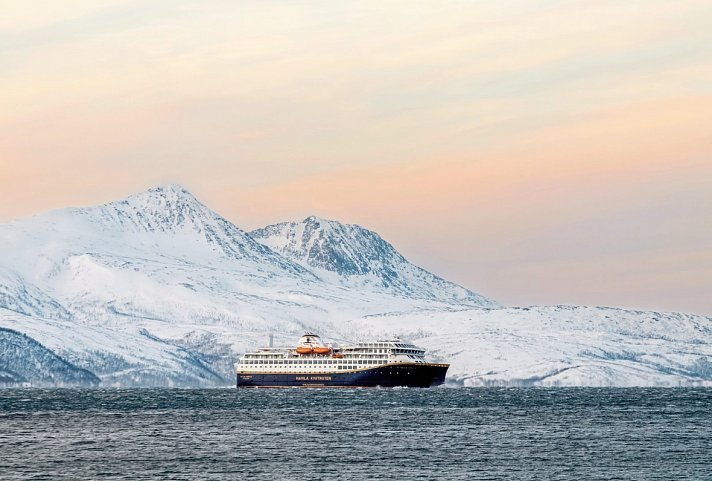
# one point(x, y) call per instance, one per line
point(271, 339)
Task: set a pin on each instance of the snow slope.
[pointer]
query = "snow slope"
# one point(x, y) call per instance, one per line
point(157, 289)
point(360, 259)
point(160, 262)
point(559, 345)
point(117, 358)
point(23, 359)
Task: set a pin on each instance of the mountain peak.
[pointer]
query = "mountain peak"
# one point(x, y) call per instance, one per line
point(172, 187)
point(315, 218)
point(166, 219)
point(171, 209)
point(167, 208)
point(359, 258)
point(177, 190)
point(168, 195)
point(321, 222)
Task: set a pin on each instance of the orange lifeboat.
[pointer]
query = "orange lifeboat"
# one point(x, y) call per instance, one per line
point(338, 355)
point(304, 350)
point(322, 350)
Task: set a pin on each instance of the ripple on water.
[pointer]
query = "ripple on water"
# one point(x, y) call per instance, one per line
point(356, 434)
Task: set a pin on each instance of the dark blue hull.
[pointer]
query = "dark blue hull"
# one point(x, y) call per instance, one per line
point(410, 375)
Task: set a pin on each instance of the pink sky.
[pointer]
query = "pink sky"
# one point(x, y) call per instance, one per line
point(557, 153)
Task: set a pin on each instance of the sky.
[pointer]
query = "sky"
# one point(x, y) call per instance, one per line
point(535, 152)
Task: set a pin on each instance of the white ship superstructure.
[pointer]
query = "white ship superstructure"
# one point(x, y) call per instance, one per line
point(311, 356)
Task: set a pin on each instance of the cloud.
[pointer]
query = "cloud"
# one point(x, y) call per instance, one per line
point(502, 126)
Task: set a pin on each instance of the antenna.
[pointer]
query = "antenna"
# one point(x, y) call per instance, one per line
point(271, 339)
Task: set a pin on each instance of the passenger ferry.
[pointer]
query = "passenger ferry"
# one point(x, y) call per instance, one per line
point(311, 363)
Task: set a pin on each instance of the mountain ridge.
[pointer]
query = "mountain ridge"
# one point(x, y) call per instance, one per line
point(360, 258)
point(159, 290)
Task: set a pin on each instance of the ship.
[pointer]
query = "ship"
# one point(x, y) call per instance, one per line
point(312, 363)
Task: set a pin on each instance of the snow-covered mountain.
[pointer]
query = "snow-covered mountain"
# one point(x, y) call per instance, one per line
point(118, 358)
point(560, 345)
point(166, 222)
point(24, 360)
point(360, 259)
point(163, 268)
point(158, 289)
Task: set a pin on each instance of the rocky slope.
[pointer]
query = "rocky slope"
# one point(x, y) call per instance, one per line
point(360, 259)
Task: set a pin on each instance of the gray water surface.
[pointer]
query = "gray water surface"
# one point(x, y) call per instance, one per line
point(349, 434)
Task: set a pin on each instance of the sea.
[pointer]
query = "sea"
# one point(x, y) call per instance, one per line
point(356, 434)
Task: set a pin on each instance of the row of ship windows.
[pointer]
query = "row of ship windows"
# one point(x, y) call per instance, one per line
point(371, 360)
point(314, 361)
point(380, 351)
point(346, 355)
point(349, 355)
point(341, 366)
point(383, 351)
point(359, 352)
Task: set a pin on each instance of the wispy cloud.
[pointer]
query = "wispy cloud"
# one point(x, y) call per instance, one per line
point(516, 131)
